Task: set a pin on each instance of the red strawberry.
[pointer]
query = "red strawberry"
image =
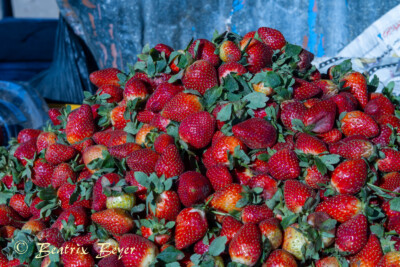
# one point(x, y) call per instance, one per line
point(269, 185)
point(64, 194)
point(393, 224)
point(80, 124)
point(141, 136)
point(164, 48)
point(242, 174)
point(229, 52)
point(160, 122)
point(351, 236)
point(122, 151)
point(230, 227)
point(328, 87)
point(271, 229)
point(341, 207)
point(388, 211)
point(390, 119)
point(271, 37)
point(193, 188)
point(356, 149)
point(167, 206)
point(141, 76)
point(99, 198)
point(288, 144)
point(115, 92)
point(230, 68)
point(135, 88)
point(279, 258)
point(245, 247)
point(9, 216)
point(328, 262)
point(92, 153)
point(58, 153)
point(205, 52)
point(17, 202)
point(45, 139)
point(116, 221)
point(170, 163)
point(191, 225)
point(391, 182)
point(370, 255)
point(79, 214)
point(52, 236)
point(256, 133)
point(349, 176)
point(181, 106)
point(137, 251)
point(384, 136)
point(258, 56)
point(390, 259)
point(359, 123)
point(162, 95)
point(103, 137)
point(74, 255)
point(296, 195)
point(197, 129)
point(331, 136)
point(358, 87)
point(25, 151)
point(284, 165)
point(226, 198)
point(105, 77)
point(145, 159)
point(345, 102)
point(379, 106)
point(303, 90)
point(314, 177)
point(26, 135)
point(110, 261)
point(225, 145)
point(306, 57)
point(256, 213)
point(162, 141)
point(117, 117)
point(292, 109)
point(54, 113)
point(118, 137)
point(42, 173)
point(145, 116)
point(321, 115)
point(309, 144)
point(391, 162)
point(200, 76)
point(61, 174)
point(219, 177)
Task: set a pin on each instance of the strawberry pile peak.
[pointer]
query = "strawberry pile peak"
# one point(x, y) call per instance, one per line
point(230, 152)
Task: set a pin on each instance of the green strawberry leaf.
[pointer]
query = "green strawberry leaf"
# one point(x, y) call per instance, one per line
point(217, 246)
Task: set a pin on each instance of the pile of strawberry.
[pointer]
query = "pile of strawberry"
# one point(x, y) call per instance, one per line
point(231, 152)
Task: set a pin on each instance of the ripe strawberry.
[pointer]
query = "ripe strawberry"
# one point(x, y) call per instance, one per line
point(314, 177)
point(328, 88)
point(160, 122)
point(58, 153)
point(54, 113)
point(303, 90)
point(197, 129)
point(345, 102)
point(393, 224)
point(118, 137)
point(45, 139)
point(122, 151)
point(226, 198)
point(269, 185)
point(230, 68)
point(7, 231)
point(225, 145)
point(384, 137)
point(64, 194)
point(17, 202)
point(26, 135)
point(296, 194)
point(33, 225)
point(205, 51)
point(388, 211)
point(167, 206)
point(219, 177)
point(341, 207)
point(145, 116)
point(42, 173)
point(79, 214)
point(144, 159)
point(230, 227)
point(84, 240)
point(8, 216)
point(390, 119)
point(52, 236)
point(351, 236)
point(245, 247)
point(162, 141)
point(137, 251)
point(331, 136)
point(311, 102)
point(258, 56)
point(229, 52)
point(157, 230)
point(92, 153)
point(390, 259)
point(256, 133)
point(242, 174)
point(200, 76)
point(328, 262)
point(284, 165)
point(271, 229)
point(288, 144)
point(306, 57)
point(115, 92)
point(294, 241)
point(181, 106)
point(74, 256)
point(103, 137)
point(309, 144)
point(279, 258)
point(110, 261)
point(193, 188)
point(105, 77)
point(349, 176)
point(292, 109)
point(379, 106)
point(143, 77)
point(321, 115)
point(115, 221)
point(272, 37)
point(370, 255)
point(164, 48)
point(135, 88)
point(80, 124)
point(391, 162)
point(164, 92)
point(256, 213)
point(191, 225)
point(391, 182)
point(61, 174)
point(25, 151)
point(4, 262)
point(170, 163)
point(359, 123)
point(358, 87)
point(117, 117)
point(356, 149)
point(99, 198)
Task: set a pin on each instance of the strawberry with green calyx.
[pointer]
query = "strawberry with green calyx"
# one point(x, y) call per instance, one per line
point(296, 194)
point(26, 151)
point(105, 77)
point(14, 255)
point(211, 256)
point(119, 195)
point(161, 201)
point(370, 255)
point(70, 229)
point(282, 165)
point(99, 198)
point(349, 176)
point(280, 257)
point(294, 241)
point(191, 226)
point(389, 160)
point(258, 54)
point(256, 133)
point(170, 162)
point(115, 221)
point(157, 231)
point(245, 247)
point(292, 111)
point(341, 207)
point(228, 149)
point(271, 230)
point(193, 188)
point(358, 123)
point(230, 69)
